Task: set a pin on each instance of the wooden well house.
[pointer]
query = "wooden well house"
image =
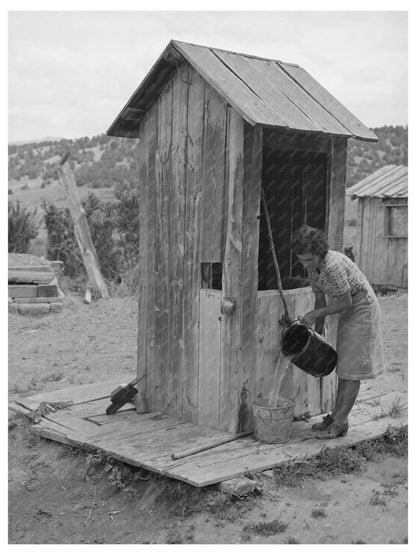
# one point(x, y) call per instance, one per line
point(382, 220)
point(214, 127)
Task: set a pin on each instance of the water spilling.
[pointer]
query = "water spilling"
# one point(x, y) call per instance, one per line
point(279, 375)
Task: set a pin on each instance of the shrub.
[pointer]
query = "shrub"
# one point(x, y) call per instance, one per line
point(22, 227)
point(61, 242)
point(114, 228)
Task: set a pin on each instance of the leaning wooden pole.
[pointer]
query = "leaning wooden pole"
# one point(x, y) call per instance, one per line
point(81, 228)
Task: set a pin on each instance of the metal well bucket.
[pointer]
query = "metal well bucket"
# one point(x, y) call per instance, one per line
point(308, 350)
point(273, 424)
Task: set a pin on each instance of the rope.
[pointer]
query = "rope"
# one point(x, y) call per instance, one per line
point(286, 318)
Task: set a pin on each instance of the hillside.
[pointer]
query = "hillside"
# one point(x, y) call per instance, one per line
point(101, 161)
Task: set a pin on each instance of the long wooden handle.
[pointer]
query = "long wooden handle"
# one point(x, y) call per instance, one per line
point(214, 443)
point(139, 378)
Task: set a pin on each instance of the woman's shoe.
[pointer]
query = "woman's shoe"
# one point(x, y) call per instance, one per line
point(326, 422)
point(333, 431)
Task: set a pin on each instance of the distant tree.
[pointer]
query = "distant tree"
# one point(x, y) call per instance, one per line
point(22, 227)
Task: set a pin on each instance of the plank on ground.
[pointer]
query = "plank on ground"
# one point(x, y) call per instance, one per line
point(132, 425)
point(40, 268)
point(31, 277)
point(257, 457)
point(22, 291)
point(39, 300)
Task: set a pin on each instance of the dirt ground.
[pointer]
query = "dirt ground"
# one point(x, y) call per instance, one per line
point(53, 499)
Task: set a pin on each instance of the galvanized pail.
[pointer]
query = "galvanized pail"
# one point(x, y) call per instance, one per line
point(273, 424)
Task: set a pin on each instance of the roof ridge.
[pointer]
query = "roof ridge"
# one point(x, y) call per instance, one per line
point(212, 48)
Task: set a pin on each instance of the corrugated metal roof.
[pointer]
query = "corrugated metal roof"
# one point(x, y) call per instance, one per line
point(264, 92)
point(388, 181)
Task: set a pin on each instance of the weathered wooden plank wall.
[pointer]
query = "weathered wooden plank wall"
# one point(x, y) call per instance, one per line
point(311, 395)
point(382, 259)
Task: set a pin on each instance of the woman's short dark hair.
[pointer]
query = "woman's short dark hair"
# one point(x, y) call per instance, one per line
point(308, 239)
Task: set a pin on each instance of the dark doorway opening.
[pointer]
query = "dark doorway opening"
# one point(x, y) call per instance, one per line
point(295, 185)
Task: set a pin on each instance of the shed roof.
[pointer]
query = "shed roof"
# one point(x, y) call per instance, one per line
point(388, 181)
point(264, 92)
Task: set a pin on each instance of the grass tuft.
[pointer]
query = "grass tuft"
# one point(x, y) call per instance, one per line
point(343, 460)
point(263, 528)
point(318, 513)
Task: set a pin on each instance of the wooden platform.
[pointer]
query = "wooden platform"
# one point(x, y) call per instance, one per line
point(149, 440)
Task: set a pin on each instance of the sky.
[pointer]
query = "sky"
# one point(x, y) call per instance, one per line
point(71, 72)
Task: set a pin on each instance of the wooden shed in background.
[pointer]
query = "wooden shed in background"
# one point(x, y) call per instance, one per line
point(215, 126)
point(382, 220)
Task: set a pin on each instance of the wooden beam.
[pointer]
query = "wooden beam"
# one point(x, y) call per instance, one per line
point(81, 228)
point(306, 142)
point(337, 166)
point(133, 114)
point(253, 143)
point(231, 328)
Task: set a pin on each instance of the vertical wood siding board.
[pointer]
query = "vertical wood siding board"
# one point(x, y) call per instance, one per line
point(164, 175)
point(365, 232)
point(399, 262)
point(359, 236)
point(209, 358)
point(176, 248)
point(299, 380)
point(337, 193)
point(194, 167)
point(219, 166)
point(224, 378)
point(328, 384)
point(313, 385)
point(213, 176)
point(299, 377)
point(395, 245)
point(373, 238)
point(158, 259)
point(249, 256)
point(402, 262)
point(151, 124)
point(379, 275)
point(143, 249)
point(231, 339)
point(404, 269)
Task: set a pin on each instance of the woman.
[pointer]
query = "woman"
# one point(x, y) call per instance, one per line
point(359, 342)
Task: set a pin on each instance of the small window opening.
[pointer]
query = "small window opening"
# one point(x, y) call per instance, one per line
point(395, 222)
point(211, 275)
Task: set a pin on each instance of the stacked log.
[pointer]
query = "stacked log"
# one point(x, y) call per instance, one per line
point(33, 290)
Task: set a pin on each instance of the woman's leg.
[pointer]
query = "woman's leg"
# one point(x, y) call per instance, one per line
point(347, 393)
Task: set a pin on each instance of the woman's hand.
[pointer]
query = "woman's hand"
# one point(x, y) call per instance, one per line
point(309, 318)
